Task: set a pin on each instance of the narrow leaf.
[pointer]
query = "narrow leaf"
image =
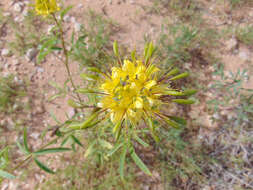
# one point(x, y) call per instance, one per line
point(115, 148)
point(139, 140)
point(6, 175)
point(190, 92)
point(174, 93)
point(183, 101)
point(180, 76)
point(122, 162)
point(172, 123)
point(76, 140)
point(115, 48)
point(25, 140)
point(51, 150)
point(178, 120)
point(43, 167)
point(140, 164)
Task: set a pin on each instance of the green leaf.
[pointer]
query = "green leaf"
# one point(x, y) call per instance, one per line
point(152, 130)
point(190, 92)
point(21, 148)
point(25, 140)
point(172, 72)
point(51, 150)
point(172, 123)
point(133, 55)
point(180, 76)
point(89, 77)
point(139, 140)
point(117, 130)
point(178, 120)
point(115, 148)
point(122, 162)
point(174, 93)
point(115, 48)
point(76, 140)
point(105, 144)
point(6, 175)
point(53, 97)
point(90, 149)
point(140, 164)
point(85, 124)
point(87, 91)
point(183, 101)
point(43, 167)
point(65, 11)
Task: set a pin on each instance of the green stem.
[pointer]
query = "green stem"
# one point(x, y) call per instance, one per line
point(66, 62)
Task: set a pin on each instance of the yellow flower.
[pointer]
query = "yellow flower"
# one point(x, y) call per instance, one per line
point(136, 90)
point(132, 91)
point(46, 7)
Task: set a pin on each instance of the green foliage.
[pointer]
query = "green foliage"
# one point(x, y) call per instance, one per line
point(245, 35)
point(10, 92)
point(91, 47)
point(177, 43)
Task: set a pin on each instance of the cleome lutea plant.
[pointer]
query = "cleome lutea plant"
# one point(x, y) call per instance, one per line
point(126, 103)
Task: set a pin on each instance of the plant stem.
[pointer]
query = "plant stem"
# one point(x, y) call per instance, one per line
point(66, 61)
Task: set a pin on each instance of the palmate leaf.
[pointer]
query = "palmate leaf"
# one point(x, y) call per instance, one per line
point(43, 167)
point(140, 164)
point(6, 175)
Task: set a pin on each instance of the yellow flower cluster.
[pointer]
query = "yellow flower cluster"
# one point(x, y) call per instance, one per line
point(46, 7)
point(132, 91)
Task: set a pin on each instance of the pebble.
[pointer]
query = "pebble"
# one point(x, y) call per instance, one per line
point(77, 27)
point(5, 52)
point(18, 7)
point(71, 112)
point(231, 44)
point(49, 29)
point(244, 56)
point(66, 18)
point(5, 186)
point(39, 69)
point(35, 135)
point(31, 54)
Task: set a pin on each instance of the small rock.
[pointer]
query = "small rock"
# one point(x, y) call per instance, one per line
point(39, 70)
point(31, 54)
point(6, 14)
point(6, 65)
point(73, 19)
point(231, 44)
point(49, 29)
point(18, 7)
point(244, 56)
point(77, 27)
point(80, 5)
point(5, 186)
point(71, 112)
point(5, 52)
point(35, 135)
point(66, 18)
point(15, 62)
